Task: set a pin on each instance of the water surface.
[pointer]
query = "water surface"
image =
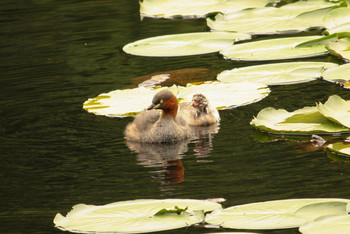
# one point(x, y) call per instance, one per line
point(56, 54)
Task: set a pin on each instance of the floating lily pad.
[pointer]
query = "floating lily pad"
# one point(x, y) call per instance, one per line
point(129, 102)
point(294, 17)
point(340, 48)
point(340, 148)
point(277, 74)
point(336, 109)
point(184, 44)
point(341, 73)
point(185, 8)
point(226, 96)
point(336, 18)
point(276, 214)
point(134, 216)
point(307, 120)
point(274, 49)
point(327, 225)
point(122, 103)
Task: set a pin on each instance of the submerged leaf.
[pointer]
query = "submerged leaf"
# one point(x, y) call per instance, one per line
point(184, 44)
point(274, 49)
point(171, 8)
point(175, 210)
point(133, 216)
point(307, 120)
point(336, 109)
point(276, 214)
point(277, 74)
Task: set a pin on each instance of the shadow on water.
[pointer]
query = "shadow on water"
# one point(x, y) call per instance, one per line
point(54, 55)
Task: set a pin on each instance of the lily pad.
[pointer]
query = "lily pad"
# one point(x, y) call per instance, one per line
point(122, 103)
point(307, 120)
point(336, 109)
point(226, 96)
point(289, 18)
point(340, 48)
point(134, 216)
point(185, 8)
point(276, 214)
point(336, 74)
point(326, 225)
point(274, 49)
point(184, 44)
point(336, 18)
point(340, 148)
point(277, 74)
point(129, 102)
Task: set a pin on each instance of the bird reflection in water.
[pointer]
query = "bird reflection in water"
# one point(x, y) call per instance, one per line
point(168, 156)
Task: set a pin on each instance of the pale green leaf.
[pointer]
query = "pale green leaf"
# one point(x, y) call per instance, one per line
point(185, 8)
point(274, 49)
point(134, 216)
point(341, 73)
point(340, 48)
point(129, 102)
point(328, 225)
point(340, 148)
point(297, 16)
point(307, 120)
point(336, 109)
point(336, 18)
point(224, 96)
point(184, 44)
point(277, 74)
point(276, 214)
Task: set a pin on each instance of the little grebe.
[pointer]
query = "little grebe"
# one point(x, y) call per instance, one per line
point(198, 112)
point(154, 126)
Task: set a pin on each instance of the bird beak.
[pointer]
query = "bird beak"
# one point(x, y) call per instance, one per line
point(194, 103)
point(154, 106)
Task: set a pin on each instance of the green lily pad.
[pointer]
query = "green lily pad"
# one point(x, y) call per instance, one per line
point(129, 102)
point(185, 8)
point(307, 120)
point(340, 48)
point(336, 18)
point(277, 74)
point(276, 214)
point(327, 225)
point(336, 109)
point(226, 96)
point(335, 74)
point(134, 216)
point(184, 44)
point(293, 17)
point(340, 148)
point(274, 49)
point(122, 103)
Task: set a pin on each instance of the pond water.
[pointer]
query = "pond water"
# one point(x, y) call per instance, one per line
point(57, 54)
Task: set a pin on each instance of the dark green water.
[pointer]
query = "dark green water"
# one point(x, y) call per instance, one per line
point(56, 54)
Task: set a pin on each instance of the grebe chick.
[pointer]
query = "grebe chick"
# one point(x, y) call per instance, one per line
point(198, 112)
